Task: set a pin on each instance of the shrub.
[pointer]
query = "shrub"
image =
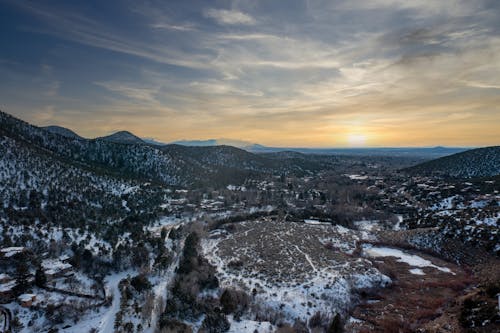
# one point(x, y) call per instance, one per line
point(169, 324)
point(493, 288)
point(318, 320)
point(454, 284)
point(189, 260)
point(234, 301)
point(235, 264)
point(140, 283)
point(285, 328)
point(426, 314)
point(386, 270)
point(128, 327)
point(40, 278)
point(215, 322)
point(329, 246)
point(336, 326)
point(393, 325)
point(475, 312)
point(300, 327)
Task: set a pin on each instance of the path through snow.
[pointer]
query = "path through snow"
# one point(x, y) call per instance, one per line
point(307, 258)
point(107, 322)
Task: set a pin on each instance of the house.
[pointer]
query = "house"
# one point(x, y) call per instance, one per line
point(7, 291)
point(65, 258)
point(54, 268)
point(4, 278)
point(26, 300)
point(8, 252)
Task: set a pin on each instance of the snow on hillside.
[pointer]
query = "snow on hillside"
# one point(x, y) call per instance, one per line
point(288, 270)
point(480, 162)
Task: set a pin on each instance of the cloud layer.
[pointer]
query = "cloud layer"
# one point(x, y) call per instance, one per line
point(294, 73)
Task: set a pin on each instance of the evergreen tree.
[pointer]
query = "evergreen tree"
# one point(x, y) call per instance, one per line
point(22, 276)
point(336, 325)
point(40, 278)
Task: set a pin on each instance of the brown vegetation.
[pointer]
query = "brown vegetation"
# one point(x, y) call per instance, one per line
point(413, 300)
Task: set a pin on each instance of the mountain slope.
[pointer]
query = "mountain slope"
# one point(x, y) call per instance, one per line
point(169, 164)
point(480, 162)
point(196, 143)
point(136, 161)
point(38, 185)
point(154, 142)
point(62, 131)
point(123, 137)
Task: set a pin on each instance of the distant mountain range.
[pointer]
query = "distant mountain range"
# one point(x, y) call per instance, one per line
point(207, 162)
point(129, 138)
point(125, 155)
point(214, 142)
point(426, 152)
point(480, 162)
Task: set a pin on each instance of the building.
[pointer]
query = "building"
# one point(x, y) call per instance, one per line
point(7, 291)
point(54, 268)
point(8, 252)
point(4, 278)
point(26, 300)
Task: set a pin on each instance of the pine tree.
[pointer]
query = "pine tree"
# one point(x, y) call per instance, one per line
point(336, 325)
point(40, 278)
point(22, 276)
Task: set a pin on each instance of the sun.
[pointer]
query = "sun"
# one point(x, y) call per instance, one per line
point(356, 140)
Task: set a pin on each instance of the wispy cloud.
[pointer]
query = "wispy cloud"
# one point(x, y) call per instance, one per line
point(482, 85)
point(76, 27)
point(283, 72)
point(140, 93)
point(231, 17)
point(167, 26)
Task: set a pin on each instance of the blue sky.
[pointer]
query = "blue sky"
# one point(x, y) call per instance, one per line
point(287, 73)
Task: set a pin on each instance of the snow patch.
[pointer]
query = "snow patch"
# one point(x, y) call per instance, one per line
point(410, 259)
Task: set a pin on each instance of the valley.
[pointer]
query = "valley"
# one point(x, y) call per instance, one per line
point(102, 235)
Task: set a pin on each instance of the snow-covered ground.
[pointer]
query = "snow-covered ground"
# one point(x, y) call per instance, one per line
point(249, 326)
point(417, 271)
point(448, 203)
point(491, 221)
point(314, 278)
point(103, 318)
point(160, 290)
point(411, 259)
point(107, 321)
point(367, 225)
point(357, 177)
point(37, 322)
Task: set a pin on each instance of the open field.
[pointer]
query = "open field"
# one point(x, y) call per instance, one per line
point(295, 270)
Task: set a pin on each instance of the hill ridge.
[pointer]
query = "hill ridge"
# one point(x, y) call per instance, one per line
point(478, 162)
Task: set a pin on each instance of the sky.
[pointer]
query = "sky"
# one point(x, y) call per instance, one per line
point(294, 73)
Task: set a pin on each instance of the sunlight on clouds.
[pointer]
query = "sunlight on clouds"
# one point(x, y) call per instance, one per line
point(344, 73)
point(356, 140)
